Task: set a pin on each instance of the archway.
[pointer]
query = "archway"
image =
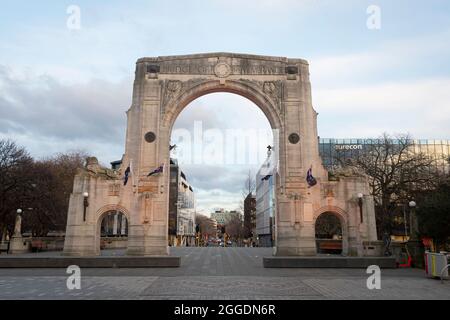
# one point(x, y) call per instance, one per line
point(215, 150)
point(328, 233)
point(111, 234)
point(163, 87)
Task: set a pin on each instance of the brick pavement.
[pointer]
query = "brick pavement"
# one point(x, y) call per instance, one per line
point(219, 273)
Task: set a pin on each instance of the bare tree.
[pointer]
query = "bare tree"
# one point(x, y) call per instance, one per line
point(15, 164)
point(235, 227)
point(40, 188)
point(206, 225)
point(327, 226)
point(52, 185)
point(397, 173)
point(248, 187)
point(249, 184)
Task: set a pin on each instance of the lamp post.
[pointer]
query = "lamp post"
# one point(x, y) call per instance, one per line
point(415, 246)
point(85, 204)
point(360, 204)
point(412, 220)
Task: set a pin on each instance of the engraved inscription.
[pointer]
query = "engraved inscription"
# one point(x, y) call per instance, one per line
point(212, 69)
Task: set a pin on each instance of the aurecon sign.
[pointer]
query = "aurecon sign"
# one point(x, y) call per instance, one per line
point(348, 147)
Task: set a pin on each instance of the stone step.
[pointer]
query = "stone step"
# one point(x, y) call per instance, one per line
point(328, 262)
point(91, 262)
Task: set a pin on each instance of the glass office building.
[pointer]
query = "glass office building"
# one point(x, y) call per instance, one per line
point(333, 149)
point(265, 202)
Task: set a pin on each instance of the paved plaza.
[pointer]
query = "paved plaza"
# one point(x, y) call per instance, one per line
point(218, 273)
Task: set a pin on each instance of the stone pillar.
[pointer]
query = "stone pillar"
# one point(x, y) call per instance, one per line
point(80, 239)
point(18, 244)
point(147, 235)
point(294, 228)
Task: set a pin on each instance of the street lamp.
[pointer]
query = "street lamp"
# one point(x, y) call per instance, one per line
point(360, 204)
point(85, 204)
point(19, 211)
point(412, 220)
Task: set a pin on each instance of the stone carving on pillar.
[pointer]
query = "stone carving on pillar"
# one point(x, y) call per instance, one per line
point(273, 90)
point(173, 88)
point(328, 190)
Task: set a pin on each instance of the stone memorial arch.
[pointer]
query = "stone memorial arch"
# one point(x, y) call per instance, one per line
point(163, 86)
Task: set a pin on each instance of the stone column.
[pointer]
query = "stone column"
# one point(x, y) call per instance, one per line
point(17, 244)
point(80, 238)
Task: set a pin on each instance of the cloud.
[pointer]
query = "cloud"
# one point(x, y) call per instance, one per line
point(40, 111)
point(209, 200)
point(407, 58)
point(226, 178)
point(420, 107)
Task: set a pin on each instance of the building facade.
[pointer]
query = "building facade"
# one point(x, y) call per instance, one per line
point(335, 151)
point(250, 217)
point(181, 208)
point(331, 150)
point(221, 216)
point(265, 203)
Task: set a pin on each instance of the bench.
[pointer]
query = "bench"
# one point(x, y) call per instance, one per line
point(38, 245)
point(329, 245)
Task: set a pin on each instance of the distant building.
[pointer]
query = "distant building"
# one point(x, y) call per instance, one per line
point(114, 224)
point(223, 216)
point(265, 202)
point(250, 217)
point(335, 151)
point(115, 165)
point(181, 208)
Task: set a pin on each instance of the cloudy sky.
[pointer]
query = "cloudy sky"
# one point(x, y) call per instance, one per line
point(64, 89)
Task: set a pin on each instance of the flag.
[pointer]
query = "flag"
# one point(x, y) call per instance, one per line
point(157, 170)
point(127, 173)
point(310, 179)
point(266, 177)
